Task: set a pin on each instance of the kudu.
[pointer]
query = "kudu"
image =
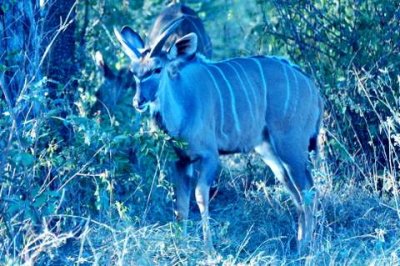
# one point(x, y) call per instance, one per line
point(238, 105)
point(117, 83)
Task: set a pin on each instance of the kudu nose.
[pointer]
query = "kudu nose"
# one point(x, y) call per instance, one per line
point(137, 103)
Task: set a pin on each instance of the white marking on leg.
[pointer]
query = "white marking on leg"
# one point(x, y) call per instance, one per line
point(268, 156)
point(289, 173)
point(279, 168)
point(189, 170)
point(202, 199)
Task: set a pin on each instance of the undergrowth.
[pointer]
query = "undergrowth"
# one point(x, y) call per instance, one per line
point(86, 183)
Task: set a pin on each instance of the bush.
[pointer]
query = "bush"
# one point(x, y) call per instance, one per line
point(82, 183)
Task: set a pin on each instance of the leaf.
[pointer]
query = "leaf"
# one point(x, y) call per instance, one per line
point(15, 206)
point(120, 138)
point(30, 214)
point(51, 208)
point(25, 159)
point(3, 68)
point(39, 201)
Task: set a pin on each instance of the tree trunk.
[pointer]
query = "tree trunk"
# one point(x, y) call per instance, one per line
point(61, 67)
point(19, 48)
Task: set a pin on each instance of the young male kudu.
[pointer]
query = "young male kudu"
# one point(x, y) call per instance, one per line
point(255, 103)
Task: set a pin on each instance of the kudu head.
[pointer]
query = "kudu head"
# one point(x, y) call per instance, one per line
point(117, 83)
point(115, 86)
point(153, 64)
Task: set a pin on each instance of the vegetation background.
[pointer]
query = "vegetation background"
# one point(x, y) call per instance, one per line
point(83, 178)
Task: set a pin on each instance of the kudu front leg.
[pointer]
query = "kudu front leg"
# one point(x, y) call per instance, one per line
point(183, 188)
point(208, 169)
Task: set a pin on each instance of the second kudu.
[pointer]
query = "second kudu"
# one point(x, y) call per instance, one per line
point(238, 105)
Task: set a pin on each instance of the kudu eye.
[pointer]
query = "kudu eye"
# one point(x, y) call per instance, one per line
point(157, 70)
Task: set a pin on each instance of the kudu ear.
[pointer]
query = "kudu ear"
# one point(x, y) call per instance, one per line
point(185, 46)
point(107, 72)
point(130, 41)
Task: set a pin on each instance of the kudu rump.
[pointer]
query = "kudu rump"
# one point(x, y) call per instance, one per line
point(238, 105)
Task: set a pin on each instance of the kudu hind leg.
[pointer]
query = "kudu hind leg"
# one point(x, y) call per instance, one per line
point(292, 172)
point(299, 182)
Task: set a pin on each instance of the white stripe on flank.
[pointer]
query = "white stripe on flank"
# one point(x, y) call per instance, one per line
point(233, 100)
point(296, 88)
point(309, 86)
point(263, 81)
point(248, 82)
point(220, 100)
point(287, 88)
point(243, 89)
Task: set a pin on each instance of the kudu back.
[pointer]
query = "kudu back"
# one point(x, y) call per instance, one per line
point(116, 83)
point(237, 105)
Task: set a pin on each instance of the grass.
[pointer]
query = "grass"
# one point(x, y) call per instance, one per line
point(253, 224)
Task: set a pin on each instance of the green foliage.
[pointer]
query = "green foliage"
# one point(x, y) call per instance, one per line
point(102, 176)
